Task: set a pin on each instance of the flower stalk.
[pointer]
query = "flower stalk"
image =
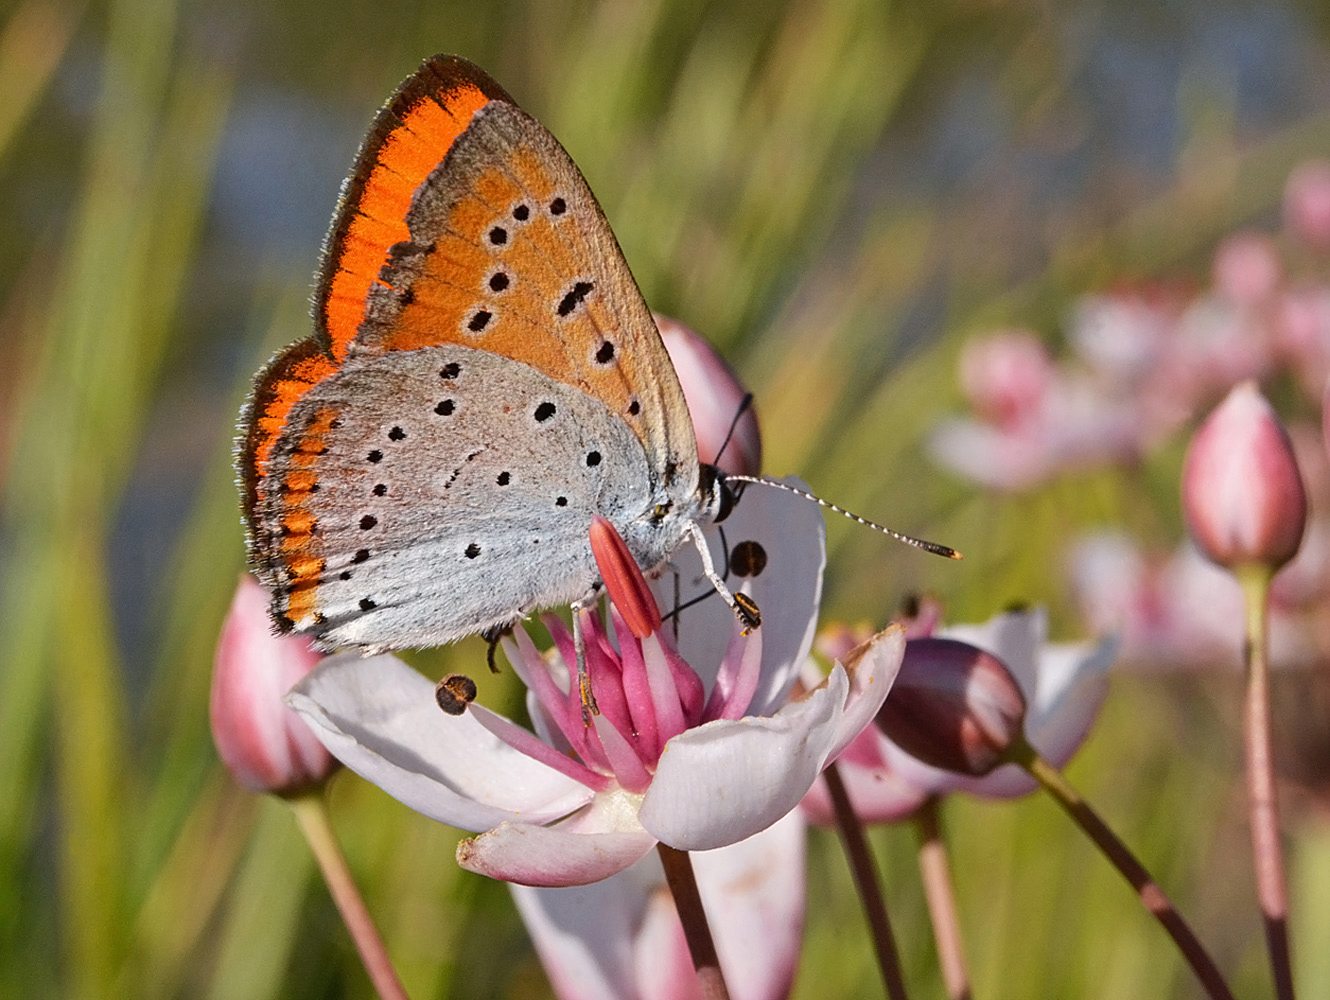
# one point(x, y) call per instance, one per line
point(1152, 897)
point(1267, 852)
point(311, 813)
point(860, 856)
point(936, 872)
point(696, 931)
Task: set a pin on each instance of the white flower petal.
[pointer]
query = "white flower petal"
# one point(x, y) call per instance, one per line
point(722, 782)
point(872, 668)
point(378, 716)
point(601, 941)
point(620, 939)
point(1073, 683)
point(792, 534)
point(753, 894)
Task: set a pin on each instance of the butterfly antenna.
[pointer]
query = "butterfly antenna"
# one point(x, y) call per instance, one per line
point(744, 404)
point(918, 543)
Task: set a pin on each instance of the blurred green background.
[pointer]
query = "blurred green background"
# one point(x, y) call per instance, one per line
point(836, 192)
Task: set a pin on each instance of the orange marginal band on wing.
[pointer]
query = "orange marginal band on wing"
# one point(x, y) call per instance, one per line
point(299, 525)
point(409, 139)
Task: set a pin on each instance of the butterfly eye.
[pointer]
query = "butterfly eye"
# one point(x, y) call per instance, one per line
point(661, 510)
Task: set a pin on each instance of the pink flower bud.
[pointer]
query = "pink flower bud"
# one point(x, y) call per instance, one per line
point(1307, 202)
point(714, 394)
point(1242, 493)
point(264, 744)
point(953, 706)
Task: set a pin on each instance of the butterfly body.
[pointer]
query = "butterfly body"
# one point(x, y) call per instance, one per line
point(484, 378)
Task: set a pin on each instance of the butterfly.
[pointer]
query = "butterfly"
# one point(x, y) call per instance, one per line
point(484, 377)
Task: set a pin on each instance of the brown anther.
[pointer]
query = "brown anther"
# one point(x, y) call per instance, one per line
point(454, 693)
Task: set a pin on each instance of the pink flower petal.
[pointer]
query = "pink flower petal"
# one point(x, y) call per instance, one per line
point(551, 856)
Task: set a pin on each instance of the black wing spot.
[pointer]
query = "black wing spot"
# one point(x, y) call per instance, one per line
point(480, 320)
point(396, 434)
point(451, 370)
point(504, 479)
point(605, 354)
point(558, 206)
point(634, 408)
point(380, 489)
point(472, 550)
point(368, 521)
point(445, 407)
point(544, 411)
point(360, 556)
point(521, 213)
point(406, 297)
point(498, 236)
point(367, 605)
point(375, 456)
point(748, 559)
point(344, 575)
point(576, 295)
point(499, 281)
point(592, 459)
point(561, 501)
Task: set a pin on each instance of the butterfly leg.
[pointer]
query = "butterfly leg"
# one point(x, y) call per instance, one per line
point(742, 605)
point(589, 708)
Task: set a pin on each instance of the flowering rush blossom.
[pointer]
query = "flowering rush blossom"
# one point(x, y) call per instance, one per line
point(1063, 685)
point(689, 748)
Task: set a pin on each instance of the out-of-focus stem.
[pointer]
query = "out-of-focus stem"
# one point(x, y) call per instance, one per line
point(1267, 851)
point(312, 814)
point(936, 872)
point(865, 877)
point(1151, 895)
point(696, 931)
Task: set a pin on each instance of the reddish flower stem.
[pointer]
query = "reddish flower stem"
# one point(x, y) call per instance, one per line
point(936, 872)
point(1147, 889)
point(696, 931)
point(865, 877)
point(1267, 851)
point(312, 815)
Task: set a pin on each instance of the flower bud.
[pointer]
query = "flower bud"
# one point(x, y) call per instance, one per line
point(265, 745)
point(714, 394)
point(1241, 490)
point(953, 706)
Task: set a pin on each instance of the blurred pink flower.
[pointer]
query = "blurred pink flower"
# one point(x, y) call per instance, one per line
point(1181, 611)
point(696, 753)
point(1072, 425)
point(1247, 269)
point(265, 745)
point(1307, 203)
point(1007, 376)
